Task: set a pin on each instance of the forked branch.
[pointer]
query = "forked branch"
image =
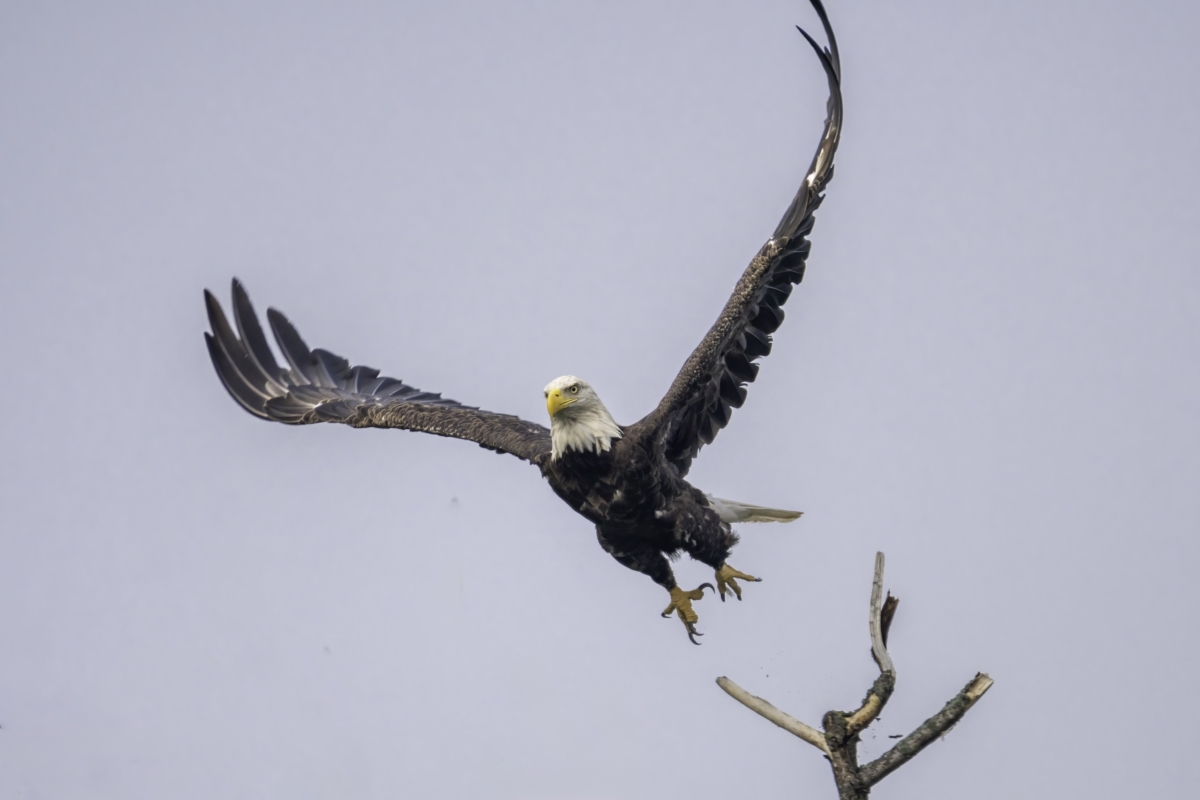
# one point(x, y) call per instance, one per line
point(839, 741)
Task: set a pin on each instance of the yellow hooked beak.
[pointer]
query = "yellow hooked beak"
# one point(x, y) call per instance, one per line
point(555, 401)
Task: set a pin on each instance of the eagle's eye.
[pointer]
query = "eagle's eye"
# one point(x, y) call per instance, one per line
point(545, 394)
point(574, 389)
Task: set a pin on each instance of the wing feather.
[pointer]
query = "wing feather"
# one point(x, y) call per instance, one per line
point(713, 380)
point(251, 334)
point(323, 387)
point(238, 388)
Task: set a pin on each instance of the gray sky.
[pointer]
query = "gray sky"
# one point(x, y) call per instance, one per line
point(989, 373)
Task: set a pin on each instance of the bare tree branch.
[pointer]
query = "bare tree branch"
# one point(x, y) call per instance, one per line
point(839, 742)
point(929, 730)
point(780, 718)
point(878, 625)
point(873, 703)
point(878, 641)
point(866, 714)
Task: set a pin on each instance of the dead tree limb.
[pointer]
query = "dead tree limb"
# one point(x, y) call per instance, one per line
point(878, 634)
point(780, 718)
point(839, 741)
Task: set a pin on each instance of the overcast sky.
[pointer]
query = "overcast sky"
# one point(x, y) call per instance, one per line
point(989, 373)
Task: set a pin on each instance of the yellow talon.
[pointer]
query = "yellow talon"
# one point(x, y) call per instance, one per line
point(725, 579)
point(681, 604)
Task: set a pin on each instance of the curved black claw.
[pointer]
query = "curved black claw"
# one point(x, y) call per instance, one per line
point(692, 632)
point(691, 629)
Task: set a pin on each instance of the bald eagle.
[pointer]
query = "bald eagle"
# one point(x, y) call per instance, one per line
point(628, 480)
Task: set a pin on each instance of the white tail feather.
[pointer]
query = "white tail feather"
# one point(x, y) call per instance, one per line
point(732, 511)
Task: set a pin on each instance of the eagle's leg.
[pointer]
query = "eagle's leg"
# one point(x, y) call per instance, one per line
point(639, 555)
point(709, 540)
point(681, 604)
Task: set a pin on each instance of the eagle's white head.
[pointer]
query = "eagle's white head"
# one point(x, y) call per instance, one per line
point(578, 420)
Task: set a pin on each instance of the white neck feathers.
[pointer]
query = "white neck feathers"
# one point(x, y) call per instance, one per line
point(584, 429)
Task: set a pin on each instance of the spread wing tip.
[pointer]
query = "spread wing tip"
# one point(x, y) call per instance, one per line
point(323, 387)
point(821, 169)
point(713, 380)
point(832, 52)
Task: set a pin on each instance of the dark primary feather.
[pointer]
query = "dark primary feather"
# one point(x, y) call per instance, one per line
point(319, 386)
point(713, 380)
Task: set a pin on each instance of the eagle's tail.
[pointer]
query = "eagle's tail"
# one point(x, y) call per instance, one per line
point(732, 511)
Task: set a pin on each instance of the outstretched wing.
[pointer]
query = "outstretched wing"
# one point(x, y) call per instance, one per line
point(712, 381)
point(323, 387)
